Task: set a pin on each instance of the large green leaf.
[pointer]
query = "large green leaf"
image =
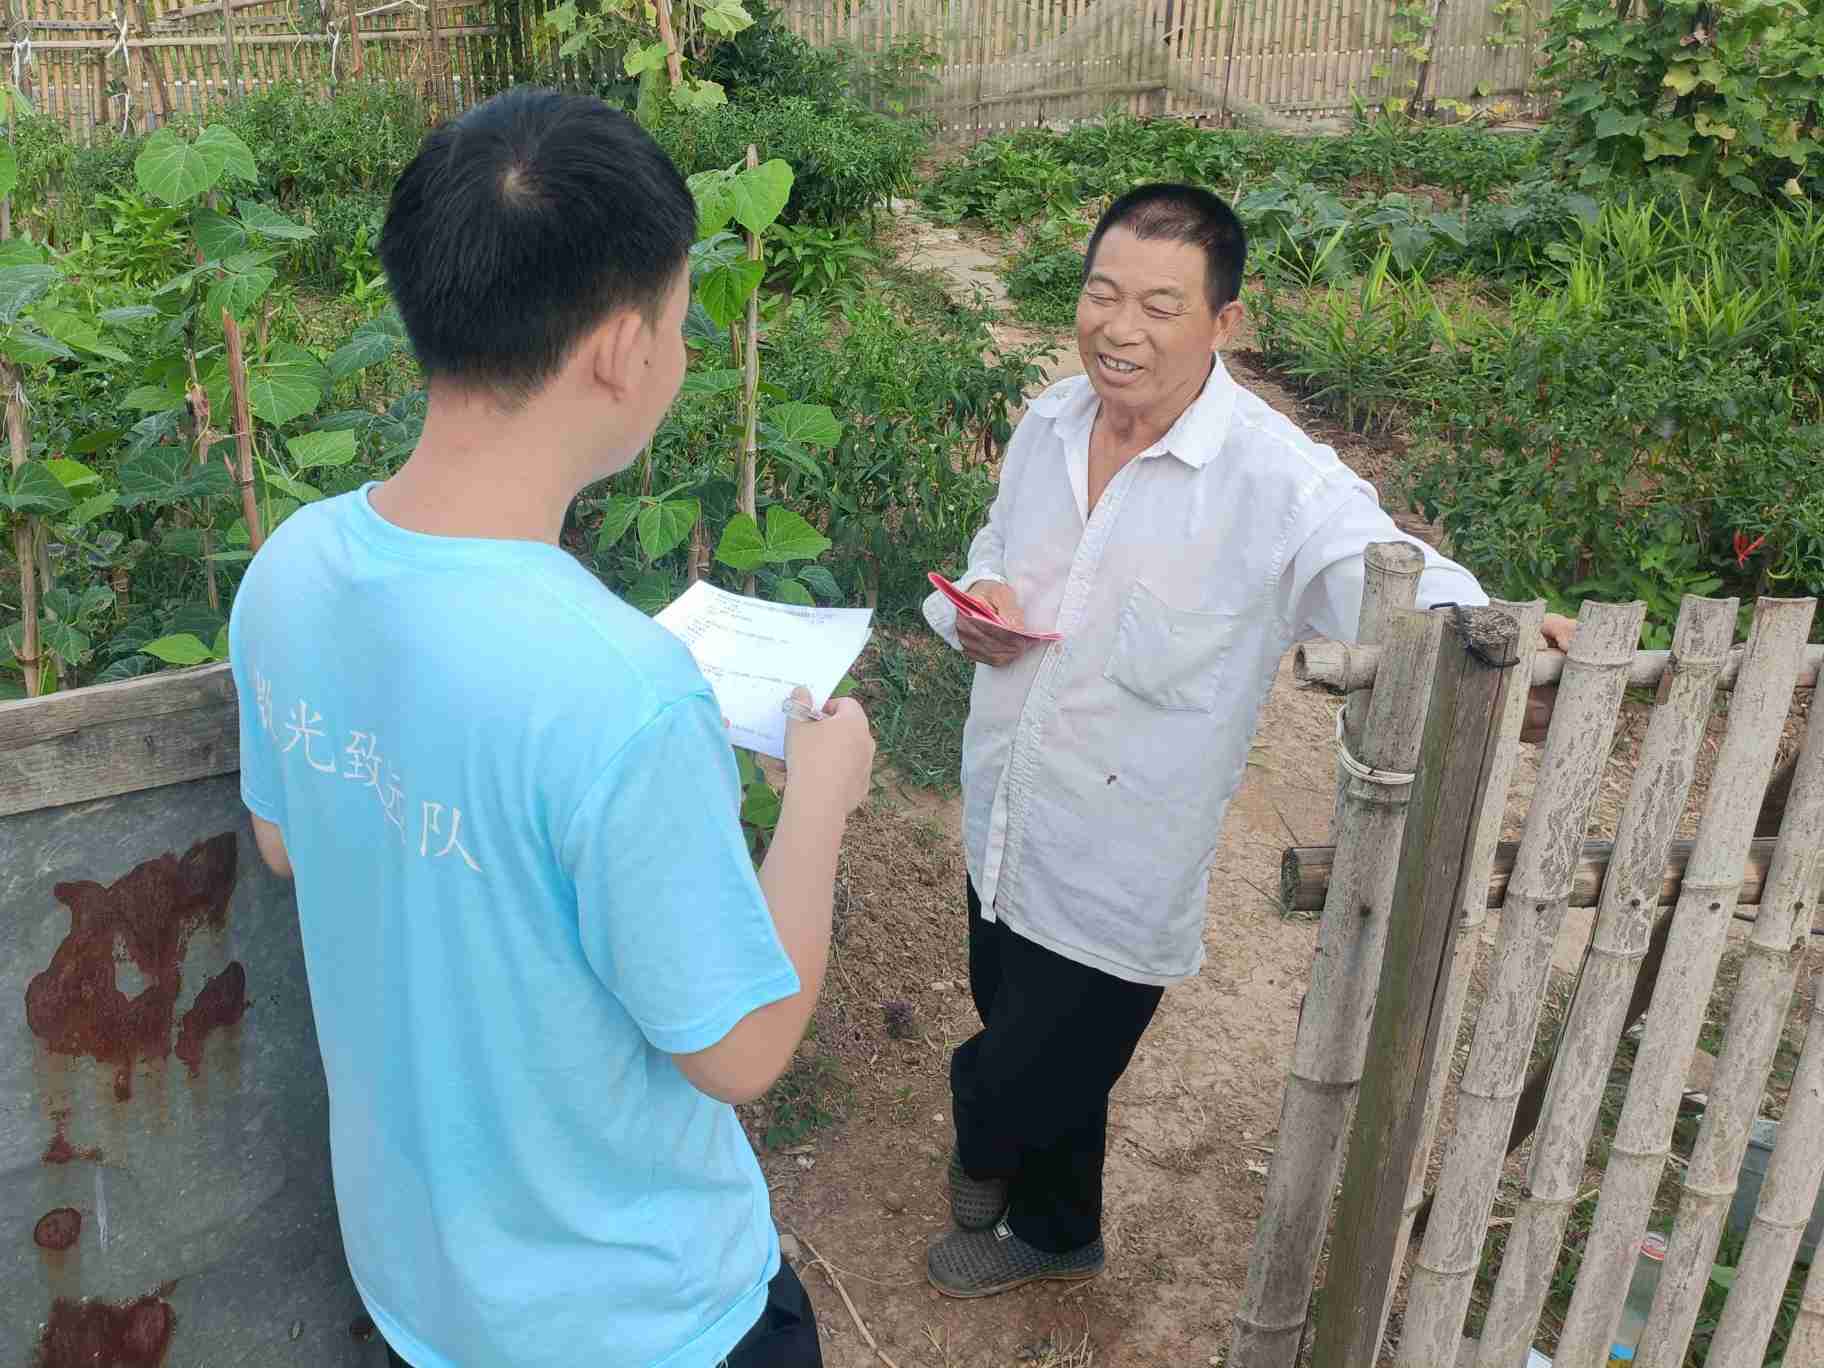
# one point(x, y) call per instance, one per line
point(170, 169)
point(223, 149)
point(700, 329)
point(9, 169)
point(151, 399)
point(33, 488)
point(368, 345)
point(21, 252)
point(821, 580)
point(724, 290)
point(287, 385)
point(715, 197)
point(218, 235)
point(74, 330)
point(289, 484)
point(650, 592)
point(648, 58)
point(321, 449)
point(93, 507)
point(761, 805)
point(791, 591)
point(165, 474)
point(72, 475)
point(180, 648)
point(29, 347)
point(23, 286)
point(712, 381)
point(789, 537)
point(664, 526)
point(742, 547)
point(63, 640)
point(127, 313)
point(759, 194)
point(811, 425)
point(618, 514)
point(238, 291)
point(269, 222)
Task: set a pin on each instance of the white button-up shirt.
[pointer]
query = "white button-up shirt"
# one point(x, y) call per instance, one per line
point(1096, 770)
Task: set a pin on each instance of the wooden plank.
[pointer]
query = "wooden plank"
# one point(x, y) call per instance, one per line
point(117, 738)
point(1404, 1040)
point(1342, 668)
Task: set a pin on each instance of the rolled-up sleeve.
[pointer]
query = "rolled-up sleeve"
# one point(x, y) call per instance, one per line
point(1321, 590)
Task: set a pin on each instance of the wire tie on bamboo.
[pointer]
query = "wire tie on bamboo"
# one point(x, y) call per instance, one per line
point(1368, 774)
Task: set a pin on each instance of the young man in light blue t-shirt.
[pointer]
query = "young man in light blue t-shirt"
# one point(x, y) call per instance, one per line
point(541, 963)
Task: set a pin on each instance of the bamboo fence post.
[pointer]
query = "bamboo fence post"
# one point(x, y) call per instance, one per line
point(1628, 910)
point(1429, 39)
point(1756, 1022)
point(1569, 775)
point(243, 430)
point(24, 531)
point(1643, 1138)
point(354, 36)
point(1788, 1194)
point(1408, 1036)
point(228, 55)
point(1332, 1039)
point(1390, 580)
point(155, 65)
point(674, 64)
point(1472, 912)
point(750, 389)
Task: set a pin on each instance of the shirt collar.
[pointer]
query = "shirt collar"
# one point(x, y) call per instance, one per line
point(1194, 439)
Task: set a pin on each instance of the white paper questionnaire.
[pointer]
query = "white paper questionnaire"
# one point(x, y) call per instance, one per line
point(754, 653)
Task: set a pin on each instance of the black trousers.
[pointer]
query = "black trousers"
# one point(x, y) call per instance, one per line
point(785, 1336)
point(1030, 1089)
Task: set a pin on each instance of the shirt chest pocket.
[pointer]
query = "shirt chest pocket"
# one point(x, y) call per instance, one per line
point(1174, 658)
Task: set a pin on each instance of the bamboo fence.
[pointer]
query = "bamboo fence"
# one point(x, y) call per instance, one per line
point(1006, 64)
point(1758, 681)
point(133, 65)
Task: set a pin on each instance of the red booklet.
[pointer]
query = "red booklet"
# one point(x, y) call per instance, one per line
point(971, 606)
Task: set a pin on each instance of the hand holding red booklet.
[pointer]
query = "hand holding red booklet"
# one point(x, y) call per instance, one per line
point(971, 606)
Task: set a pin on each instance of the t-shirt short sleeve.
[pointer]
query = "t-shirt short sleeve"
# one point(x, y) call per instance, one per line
point(261, 790)
point(669, 910)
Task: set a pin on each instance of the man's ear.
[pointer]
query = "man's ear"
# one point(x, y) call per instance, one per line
point(1228, 322)
point(620, 353)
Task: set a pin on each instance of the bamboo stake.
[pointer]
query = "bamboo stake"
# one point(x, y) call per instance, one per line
point(1569, 776)
point(24, 531)
point(1788, 1194)
point(1649, 821)
point(243, 430)
point(354, 36)
point(1332, 1038)
point(1756, 1022)
point(1643, 1138)
point(1408, 1039)
point(228, 56)
point(1472, 915)
point(157, 68)
point(750, 389)
point(674, 64)
point(1390, 581)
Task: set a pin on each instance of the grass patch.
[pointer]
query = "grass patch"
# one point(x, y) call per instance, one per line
point(916, 691)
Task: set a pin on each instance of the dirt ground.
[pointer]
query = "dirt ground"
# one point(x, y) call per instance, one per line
point(854, 1142)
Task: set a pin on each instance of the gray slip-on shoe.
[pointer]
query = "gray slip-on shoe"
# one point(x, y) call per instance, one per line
point(980, 1263)
point(976, 1203)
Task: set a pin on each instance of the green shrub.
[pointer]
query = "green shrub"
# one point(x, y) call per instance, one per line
point(1046, 278)
point(847, 161)
point(1693, 92)
point(768, 59)
point(308, 148)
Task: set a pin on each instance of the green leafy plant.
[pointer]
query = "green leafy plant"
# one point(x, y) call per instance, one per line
point(572, 32)
point(1701, 94)
point(808, 259)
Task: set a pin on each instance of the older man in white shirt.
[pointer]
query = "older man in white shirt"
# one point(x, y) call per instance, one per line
point(1180, 535)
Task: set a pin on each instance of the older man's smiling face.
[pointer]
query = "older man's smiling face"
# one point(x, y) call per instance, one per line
point(1145, 329)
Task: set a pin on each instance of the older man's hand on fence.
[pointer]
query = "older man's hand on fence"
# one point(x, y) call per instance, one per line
point(1555, 633)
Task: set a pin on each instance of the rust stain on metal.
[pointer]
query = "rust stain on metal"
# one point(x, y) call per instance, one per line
point(60, 1150)
point(221, 1004)
point(76, 1007)
point(83, 1334)
point(58, 1229)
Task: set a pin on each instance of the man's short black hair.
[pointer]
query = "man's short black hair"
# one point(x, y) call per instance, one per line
point(1182, 213)
point(521, 225)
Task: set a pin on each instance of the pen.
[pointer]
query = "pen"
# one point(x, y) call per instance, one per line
point(798, 712)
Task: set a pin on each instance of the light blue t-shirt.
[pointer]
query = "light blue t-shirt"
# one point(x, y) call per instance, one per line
point(512, 808)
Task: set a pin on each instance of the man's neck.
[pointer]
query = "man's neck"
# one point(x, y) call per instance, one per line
point(1132, 430)
point(477, 472)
